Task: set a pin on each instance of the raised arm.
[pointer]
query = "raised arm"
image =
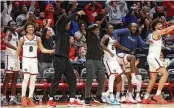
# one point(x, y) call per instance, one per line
point(42, 49)
point(73, 8)
point(99, 7)
point(10, 8)
point(31, 9)
point(159, 33)
point(108, 7)
point(4, 12)
point(119, 32)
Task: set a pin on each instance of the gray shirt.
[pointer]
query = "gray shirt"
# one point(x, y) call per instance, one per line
point(80, 42)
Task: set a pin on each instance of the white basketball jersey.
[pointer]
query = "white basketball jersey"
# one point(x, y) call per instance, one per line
point(14, 42)
point(111, 46)
point(30, 47)
point(155, 47)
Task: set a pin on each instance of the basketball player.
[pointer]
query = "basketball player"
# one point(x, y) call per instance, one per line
point(155, 64)
point(113, 68)
point(29, 43)
point(125, 80)
point(10, 41)
point(129, 38)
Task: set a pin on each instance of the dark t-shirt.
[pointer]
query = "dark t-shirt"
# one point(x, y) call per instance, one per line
point(47, 44)
point(94, 50)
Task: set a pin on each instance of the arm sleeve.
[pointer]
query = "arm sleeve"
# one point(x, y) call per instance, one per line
point(31, 9)
point(63, 24)
point(119, 32)
point(87, 9)
point(99, 7)
point(108, 7)
point(141, 43)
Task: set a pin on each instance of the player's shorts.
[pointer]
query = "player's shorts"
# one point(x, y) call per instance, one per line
point(112, 65)
point(154, 64)
point(122, 59)
point(10, 63)
point(30, 66)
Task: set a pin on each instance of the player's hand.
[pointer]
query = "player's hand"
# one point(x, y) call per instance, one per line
point(52, 51)
point(81, 12)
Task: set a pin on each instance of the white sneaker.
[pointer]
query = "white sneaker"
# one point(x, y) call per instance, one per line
point(138, 99)
point(131, 100)
point(134, 81)
point(118, 99)
point(123, 99)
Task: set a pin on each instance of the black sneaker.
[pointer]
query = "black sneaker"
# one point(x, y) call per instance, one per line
point(87, 101)
point(4, 102)
point(98, 99)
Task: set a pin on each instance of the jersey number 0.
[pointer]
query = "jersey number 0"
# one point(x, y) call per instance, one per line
point(31, 49)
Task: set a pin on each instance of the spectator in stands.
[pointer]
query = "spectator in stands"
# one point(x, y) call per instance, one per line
point(159, 12)
point(25, 14)
point(131, 16)
point(82, 54)
point(92, 10)
point(45, 60)
point(73, 54)
point(115, 14)
point(74, 26)
point(40, 19)
point(170, 7)
point(146, 29)
point(15, 10)
point(49, 13)
point(6, 17)
point(80, 36)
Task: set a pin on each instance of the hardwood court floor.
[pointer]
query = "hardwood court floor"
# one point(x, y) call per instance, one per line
point(170, 105)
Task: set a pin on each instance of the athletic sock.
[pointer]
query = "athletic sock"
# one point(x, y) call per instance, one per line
point(51, 98)
point(146, 96)
point(72, 99)
point(158, 92)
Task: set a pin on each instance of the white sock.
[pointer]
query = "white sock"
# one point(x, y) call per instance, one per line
point(24, 84)
point(158, 92)
point(133, 75)
point(32, 85)
point(118, 94)
point(111, 96)
point(146, 96)
point(72, 99)
point(51, 98)
point(111, 83)
point(12, 98)
point(138, 94)
point(3, 97)
point(130, 94)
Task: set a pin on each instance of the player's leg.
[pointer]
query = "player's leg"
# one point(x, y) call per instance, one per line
point(24, 89)
point(124, 81)
point(132, 59)
point(138, 88)
point(162, 82)
point(153, 76)
point(13, 99)
point(100, 73)
point(8, 77)
point(118, 82)
point(71, 78)
point(90, 73)
point(59, 64)
point(130, 87)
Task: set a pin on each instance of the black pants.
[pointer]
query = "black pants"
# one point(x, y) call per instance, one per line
point(62, 66)
point(94, 68)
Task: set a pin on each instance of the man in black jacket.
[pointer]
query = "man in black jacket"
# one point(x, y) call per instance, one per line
point(94, 64)
point(61, 62)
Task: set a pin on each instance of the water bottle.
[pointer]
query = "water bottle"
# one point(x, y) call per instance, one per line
point(19, 97)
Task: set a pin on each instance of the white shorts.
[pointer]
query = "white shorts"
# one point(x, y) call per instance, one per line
point(10, 63)
point(154, 64)
point(30, 66)
point(112, 65)
point(124, 78)
point(122, 59)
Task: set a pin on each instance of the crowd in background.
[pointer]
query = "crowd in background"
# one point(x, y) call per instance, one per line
point(118, 13)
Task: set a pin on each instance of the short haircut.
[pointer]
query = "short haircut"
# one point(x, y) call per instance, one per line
point(29, 23)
